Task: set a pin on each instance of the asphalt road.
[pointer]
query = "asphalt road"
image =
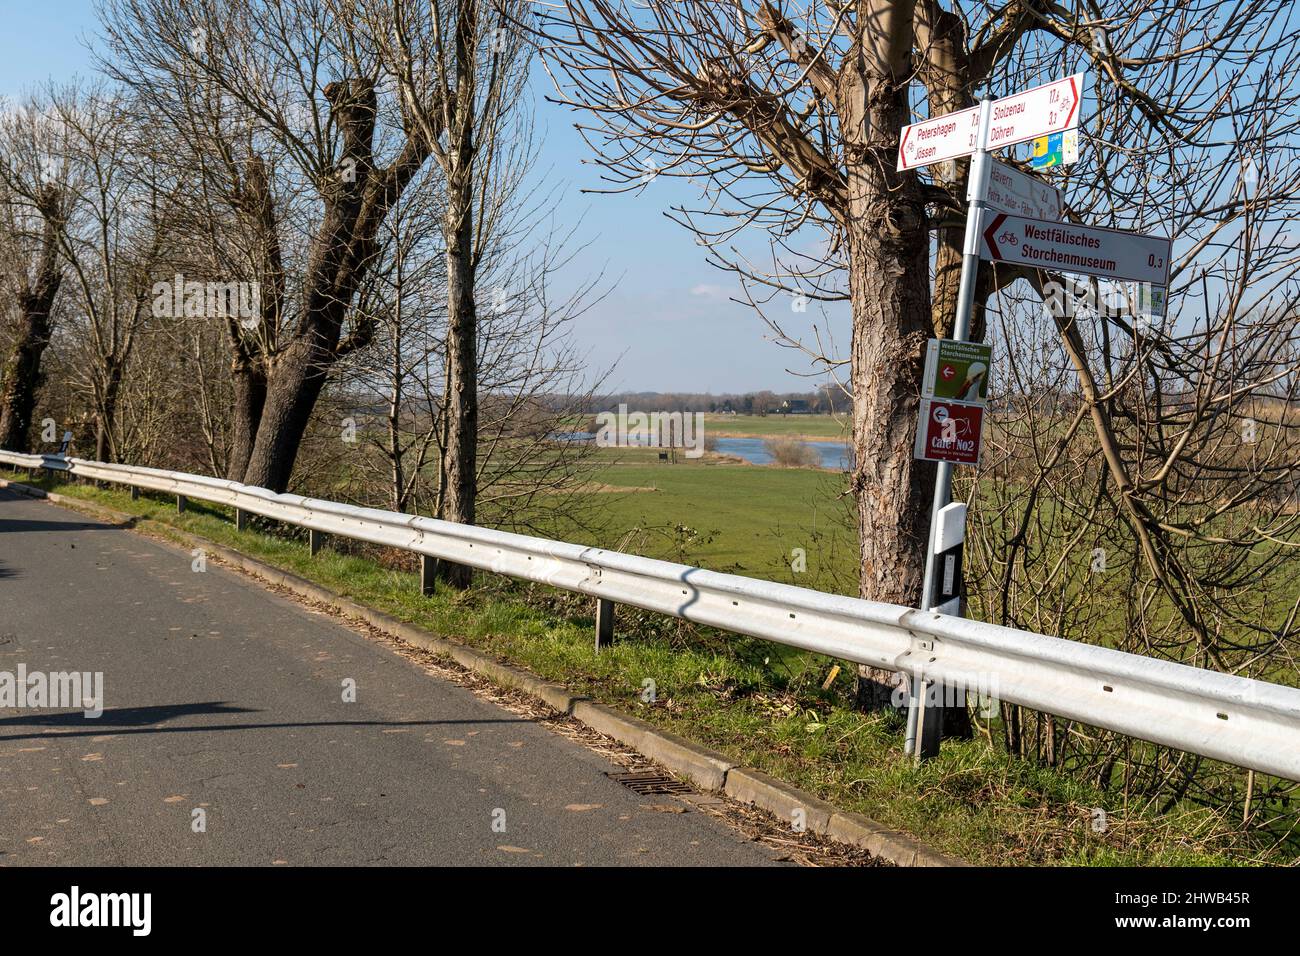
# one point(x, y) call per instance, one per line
point(223, 697)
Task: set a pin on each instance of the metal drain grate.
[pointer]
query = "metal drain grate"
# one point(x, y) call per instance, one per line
point(648, 782)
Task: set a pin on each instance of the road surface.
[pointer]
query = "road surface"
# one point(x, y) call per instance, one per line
point(222, 697)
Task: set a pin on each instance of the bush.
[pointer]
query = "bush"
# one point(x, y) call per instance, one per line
point(790, 453)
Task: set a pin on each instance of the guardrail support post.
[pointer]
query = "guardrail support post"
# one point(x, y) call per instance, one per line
point(180, 504)
point(428, 572)
point(924, 719)
point(241, 519)
point(314, 540)
point(604, 623)
point(135, 493)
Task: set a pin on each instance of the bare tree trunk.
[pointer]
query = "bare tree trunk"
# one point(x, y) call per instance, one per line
point(395, 450)
point(462, 361)
point(22, 372)
point(294, 386)
point(888, 248)
point(106, 414)
point(343, 249)
point(254, 199)
point(250, 397)
point(460, 450)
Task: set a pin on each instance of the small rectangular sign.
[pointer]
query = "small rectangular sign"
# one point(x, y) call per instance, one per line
point(949, 431)
point(1058, 149)
point(1021, 194)
point(1109, 253)
point(958, 371)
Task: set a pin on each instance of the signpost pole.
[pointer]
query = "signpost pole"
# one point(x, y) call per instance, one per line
point(979, 178)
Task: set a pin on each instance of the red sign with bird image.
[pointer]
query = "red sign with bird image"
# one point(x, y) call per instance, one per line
point(949, 431)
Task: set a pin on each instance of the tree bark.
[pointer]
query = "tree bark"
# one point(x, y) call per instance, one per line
point(297, 377)
point(106, 413)
point(255, 202)
point(22, 374)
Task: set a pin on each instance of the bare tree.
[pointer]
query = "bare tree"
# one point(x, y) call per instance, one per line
point(289, 118)
point(791, 117)
point(473, 52)
point(32, 207)
point(111, 240)
point(531, 378)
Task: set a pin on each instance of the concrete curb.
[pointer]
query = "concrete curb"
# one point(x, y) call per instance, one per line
point(780, 798)
point(706, 768)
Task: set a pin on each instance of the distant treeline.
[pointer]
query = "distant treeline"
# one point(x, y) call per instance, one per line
point(822, 401)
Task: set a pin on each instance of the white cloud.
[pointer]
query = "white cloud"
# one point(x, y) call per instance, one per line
point(715, 293)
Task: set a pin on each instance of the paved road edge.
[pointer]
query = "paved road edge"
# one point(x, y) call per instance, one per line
point(705, 768)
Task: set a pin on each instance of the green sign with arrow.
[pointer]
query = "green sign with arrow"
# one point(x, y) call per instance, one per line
point(958, 371)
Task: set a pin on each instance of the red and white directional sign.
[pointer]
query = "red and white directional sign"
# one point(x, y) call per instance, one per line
point(1051, 108)
point(939, 138)
point(1021, 194)
point(949, 431)
point(1110, 253)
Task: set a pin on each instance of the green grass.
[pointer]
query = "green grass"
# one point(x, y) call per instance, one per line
point(819, 427)
point(748, 519)
point(761, 708)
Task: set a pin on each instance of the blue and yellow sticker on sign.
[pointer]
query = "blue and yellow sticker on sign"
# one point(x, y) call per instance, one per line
point(1057, 149)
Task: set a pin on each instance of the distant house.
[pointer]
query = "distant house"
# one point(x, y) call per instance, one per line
point(795, 406)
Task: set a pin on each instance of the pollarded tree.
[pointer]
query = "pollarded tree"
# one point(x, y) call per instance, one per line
point(283, 114)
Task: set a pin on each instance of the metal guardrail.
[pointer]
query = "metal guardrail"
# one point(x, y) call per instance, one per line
point(1241, 721)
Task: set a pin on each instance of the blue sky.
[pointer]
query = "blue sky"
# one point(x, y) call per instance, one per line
point(666, 322)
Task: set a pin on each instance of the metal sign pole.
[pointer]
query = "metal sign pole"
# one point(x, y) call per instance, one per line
point(976, 195)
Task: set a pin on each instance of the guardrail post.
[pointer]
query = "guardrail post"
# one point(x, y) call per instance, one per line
point(315, 539)
point(428, 572)
point(924, 719)
point(241, 519)
point(604, 623)
point(180, 504)
point(942, 594)
point(135, 493)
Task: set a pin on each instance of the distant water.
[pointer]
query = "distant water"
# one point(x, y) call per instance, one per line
point(834, 455)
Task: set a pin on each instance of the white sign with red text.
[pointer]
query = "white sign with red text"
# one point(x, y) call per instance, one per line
point(939, 138)
point(1051, 108)
point(1065, 247)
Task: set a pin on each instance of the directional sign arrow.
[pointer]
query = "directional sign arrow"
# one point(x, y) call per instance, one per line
point(1110, 253)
